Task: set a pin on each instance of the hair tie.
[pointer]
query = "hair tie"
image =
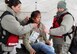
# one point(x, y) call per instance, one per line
point(7, 0)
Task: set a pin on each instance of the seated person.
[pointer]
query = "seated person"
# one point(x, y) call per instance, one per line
point(30, 39)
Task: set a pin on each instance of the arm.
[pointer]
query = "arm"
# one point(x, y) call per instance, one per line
point(10, 24)
point(65, 26)
point(43, 32)
point(27, 44)
point(24, 21)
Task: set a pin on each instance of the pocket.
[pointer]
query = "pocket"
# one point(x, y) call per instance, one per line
point(12, 40)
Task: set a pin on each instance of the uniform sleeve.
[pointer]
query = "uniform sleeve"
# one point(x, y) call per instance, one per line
point(10, 24)
point(27, 42)
point(43, 34)
point(66, 25)
point(23, 22)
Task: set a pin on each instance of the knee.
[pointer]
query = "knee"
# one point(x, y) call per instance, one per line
point(41, 44)
point(52, 48)
point(51, 51)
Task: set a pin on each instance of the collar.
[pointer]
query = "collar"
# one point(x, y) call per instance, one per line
point(11, 11)
point(60, 13)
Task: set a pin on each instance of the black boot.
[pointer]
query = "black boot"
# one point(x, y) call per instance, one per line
point(1, 51)
point(8, 53)
point(22, 50)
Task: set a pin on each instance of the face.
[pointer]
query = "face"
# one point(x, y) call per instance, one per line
point(60, 9)
point(37, 19)
point(17, 8)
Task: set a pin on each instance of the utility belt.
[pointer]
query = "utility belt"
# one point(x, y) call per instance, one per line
point(9, 39)
point(58, 36)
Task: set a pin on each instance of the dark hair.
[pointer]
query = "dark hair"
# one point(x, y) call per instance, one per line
point(34, 14)
point(11, 3)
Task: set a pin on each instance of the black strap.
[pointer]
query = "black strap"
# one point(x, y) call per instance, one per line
point(8, 53)
point(60, 18)
point(3, 37)
point(7, 13)
point(65, 35)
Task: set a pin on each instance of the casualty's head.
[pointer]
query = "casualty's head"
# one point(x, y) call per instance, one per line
point(35, 17)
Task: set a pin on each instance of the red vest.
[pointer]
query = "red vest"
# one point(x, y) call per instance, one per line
point(57, 22)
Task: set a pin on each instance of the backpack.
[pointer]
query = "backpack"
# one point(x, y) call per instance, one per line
point(57, 22)
point(73, 45)
point(6, 37)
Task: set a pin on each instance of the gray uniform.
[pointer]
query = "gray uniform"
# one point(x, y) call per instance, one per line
point(10, 24)
point(65, 27)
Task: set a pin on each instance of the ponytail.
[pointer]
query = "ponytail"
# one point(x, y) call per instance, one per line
point(30, 21)
point(34, 14)
point(11, 3)
point(7, 1)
